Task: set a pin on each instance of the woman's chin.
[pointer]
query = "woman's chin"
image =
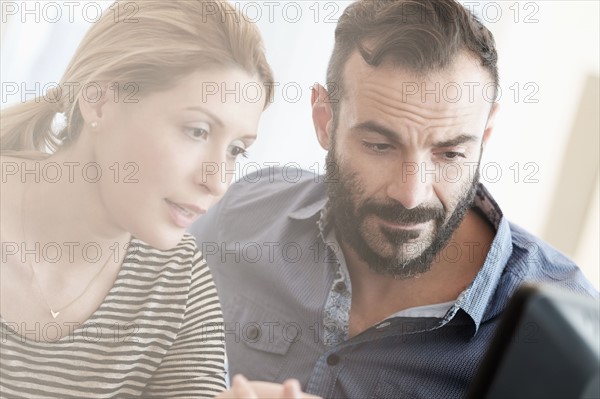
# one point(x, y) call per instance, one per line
point(163, 242)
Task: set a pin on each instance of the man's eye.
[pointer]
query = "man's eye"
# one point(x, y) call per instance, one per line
point(377, 147)
point(453, 155)
point(196, 133)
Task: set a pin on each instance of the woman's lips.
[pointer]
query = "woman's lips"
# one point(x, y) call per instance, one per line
point(183, 215)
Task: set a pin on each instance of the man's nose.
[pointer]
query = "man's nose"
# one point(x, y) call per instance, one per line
point(410, 186)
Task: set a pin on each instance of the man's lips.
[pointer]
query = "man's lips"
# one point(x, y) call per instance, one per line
point(184, 215)
point(404, 226)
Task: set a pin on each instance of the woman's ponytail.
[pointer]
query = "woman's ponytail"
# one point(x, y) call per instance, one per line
point(26, 129)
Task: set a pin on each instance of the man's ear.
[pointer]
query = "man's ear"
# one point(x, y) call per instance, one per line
point(322, 115)
point(489, 126)
point(93, 99)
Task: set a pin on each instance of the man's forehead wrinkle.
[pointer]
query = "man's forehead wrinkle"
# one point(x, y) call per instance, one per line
point(445, 127)
point(387, 92)
point(391, 109)
point(385, 103)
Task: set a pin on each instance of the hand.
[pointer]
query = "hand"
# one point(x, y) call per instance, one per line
point(243, 389)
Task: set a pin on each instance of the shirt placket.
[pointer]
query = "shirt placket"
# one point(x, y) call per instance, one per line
point(336, 314)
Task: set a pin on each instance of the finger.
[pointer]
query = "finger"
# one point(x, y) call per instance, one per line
point(241, 388)
point(291, 389)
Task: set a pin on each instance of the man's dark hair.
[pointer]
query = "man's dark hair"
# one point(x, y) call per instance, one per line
point(420, 35)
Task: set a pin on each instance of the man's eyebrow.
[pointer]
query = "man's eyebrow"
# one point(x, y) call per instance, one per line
point(463, 138)
point(374, 127)
point(208, 113)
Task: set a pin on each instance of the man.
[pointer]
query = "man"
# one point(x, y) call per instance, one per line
point(386, 276)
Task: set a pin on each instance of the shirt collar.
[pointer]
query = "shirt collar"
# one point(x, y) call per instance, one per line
point(309, 210)
point(475, 299)
point(311, 203)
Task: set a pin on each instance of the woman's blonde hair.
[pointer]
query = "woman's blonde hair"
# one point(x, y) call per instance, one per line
point(148, 49)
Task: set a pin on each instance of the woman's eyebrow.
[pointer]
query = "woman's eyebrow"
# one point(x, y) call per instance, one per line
point(206, 112)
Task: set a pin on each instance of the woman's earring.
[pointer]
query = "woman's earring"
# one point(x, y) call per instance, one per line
point(94, 124)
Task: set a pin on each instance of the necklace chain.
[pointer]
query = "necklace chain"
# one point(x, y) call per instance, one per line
point(54, 313)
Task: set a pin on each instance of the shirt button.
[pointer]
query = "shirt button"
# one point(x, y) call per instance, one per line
point(332, 360)
point(252, 333)
point(340, 287)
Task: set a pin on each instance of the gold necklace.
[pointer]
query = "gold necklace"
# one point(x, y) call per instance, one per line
point(54, 313)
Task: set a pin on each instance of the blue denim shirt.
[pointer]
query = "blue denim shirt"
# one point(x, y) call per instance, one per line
point(278, 269)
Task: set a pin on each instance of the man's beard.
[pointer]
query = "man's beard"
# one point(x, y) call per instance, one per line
point(343, 187)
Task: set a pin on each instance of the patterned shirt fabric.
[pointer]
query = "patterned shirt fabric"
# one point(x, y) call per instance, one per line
point(285, 291)
point(158, 333)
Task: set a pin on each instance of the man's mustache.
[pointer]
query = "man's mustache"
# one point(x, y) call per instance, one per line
point(397, 213)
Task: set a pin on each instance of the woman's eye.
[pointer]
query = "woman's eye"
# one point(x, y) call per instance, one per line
point(238, 148)
point(196, 133)
point(235, 151)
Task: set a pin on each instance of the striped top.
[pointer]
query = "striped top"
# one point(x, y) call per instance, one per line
point(158, 333)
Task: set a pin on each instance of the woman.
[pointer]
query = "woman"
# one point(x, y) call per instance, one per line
point(102, 293)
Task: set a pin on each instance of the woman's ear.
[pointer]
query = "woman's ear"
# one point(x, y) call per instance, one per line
point(92, 102)
point(322, 115)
